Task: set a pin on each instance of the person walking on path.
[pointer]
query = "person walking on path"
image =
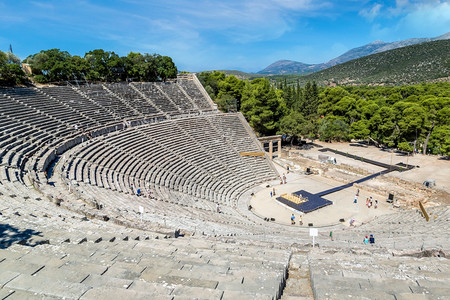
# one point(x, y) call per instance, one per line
point(292, 219)
point(366, 240)
point(372, 239)
point(331, 235)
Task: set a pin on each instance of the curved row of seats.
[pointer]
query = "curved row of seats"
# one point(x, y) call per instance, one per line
point(188, 155)
point(191, 160)
point(47, 252)
point(34, 117)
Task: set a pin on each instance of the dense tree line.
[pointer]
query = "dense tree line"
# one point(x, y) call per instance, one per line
point(11, 72)
point(412, 117)
point(98, 65)
point(55, 65)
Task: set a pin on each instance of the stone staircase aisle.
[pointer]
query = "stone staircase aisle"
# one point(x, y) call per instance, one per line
point(298, 284)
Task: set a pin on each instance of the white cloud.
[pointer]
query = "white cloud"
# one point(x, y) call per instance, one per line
point(371, 13)
point(425, 19)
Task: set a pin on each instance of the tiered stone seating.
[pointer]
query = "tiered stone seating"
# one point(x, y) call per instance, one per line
point(108, 101)
point(36, 99)
point(28, 129)
point(82, 104)
point(161, 99)
point(393, 231)
point(377, 275)
point(174, 92)
point(68, 256)
point(241, 140)
point(156, 269)
point(191, 87)
point(133, 98)
point(201, 165)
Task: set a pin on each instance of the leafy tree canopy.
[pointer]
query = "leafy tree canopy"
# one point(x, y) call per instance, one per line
point(55, 65)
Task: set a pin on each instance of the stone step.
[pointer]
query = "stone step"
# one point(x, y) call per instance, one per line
point(114, 293)
point(12, 294)
point(47, 286)
point(94, 280)
point(324, 294)
point(21, 267)
point(160, 289)
point(232, 295)
point(125, 270)
point(6, 276)
point(63, 274)
point(182, 292)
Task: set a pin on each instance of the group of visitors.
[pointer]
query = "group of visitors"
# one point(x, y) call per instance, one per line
point(370, 202)
point(300, 221)
point(356, 197)
point(368, 240)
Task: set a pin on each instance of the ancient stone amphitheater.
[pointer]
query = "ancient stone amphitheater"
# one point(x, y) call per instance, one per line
point(73, 227)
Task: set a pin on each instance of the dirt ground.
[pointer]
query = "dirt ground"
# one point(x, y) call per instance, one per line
point(407, 186)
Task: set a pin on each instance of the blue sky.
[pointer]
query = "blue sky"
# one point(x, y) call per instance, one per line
point(201, 35)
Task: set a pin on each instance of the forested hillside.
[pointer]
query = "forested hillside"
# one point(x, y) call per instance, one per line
point(294, 67)
point(407, 117)
point(406, 65)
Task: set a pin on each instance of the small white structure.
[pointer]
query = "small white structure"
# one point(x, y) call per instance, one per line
point(313, 232)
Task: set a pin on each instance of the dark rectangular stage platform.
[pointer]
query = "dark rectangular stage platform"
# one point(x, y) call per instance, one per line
point(314, 202)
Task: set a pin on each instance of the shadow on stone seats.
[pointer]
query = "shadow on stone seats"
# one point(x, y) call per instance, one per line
point(10, 235)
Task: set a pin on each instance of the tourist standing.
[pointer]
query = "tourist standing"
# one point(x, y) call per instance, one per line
point(292, 219)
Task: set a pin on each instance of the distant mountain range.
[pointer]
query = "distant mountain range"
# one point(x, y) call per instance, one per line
point(424, 62)
point(285, 67)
